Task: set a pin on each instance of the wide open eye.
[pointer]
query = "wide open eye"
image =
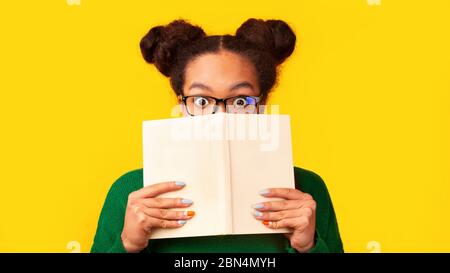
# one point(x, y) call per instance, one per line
point(240, 102)
point(201, 102)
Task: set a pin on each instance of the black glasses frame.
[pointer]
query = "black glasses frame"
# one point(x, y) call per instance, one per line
point(217, 101)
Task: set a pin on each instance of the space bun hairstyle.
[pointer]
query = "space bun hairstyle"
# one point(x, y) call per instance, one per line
point(266, 44)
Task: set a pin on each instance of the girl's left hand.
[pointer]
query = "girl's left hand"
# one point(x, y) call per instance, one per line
point(297, 212)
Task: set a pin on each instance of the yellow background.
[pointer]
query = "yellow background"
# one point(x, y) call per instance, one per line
point(368, 91)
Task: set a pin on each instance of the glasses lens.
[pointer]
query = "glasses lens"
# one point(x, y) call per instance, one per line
point(199, 105)
point(242, 105)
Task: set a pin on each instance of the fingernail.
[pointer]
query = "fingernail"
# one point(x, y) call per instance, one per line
point(189, 213)
point(179, 183)
point(186, 201)
point(265, 222)
point(264, 192)
point(181, 222)
point(258, 206)
point(257, 213)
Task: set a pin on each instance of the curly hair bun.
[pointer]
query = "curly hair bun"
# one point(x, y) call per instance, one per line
point(160, 44)
point(274, 36)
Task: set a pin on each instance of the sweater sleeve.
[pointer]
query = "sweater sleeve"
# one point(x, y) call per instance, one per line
point(327, 237)
point(110, 224)
point(331, 240)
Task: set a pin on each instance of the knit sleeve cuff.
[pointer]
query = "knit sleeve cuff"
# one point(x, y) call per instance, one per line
point(118, 247)
point(319, 247)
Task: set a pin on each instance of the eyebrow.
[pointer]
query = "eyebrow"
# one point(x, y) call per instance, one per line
point(242, 85)
point(236, 86)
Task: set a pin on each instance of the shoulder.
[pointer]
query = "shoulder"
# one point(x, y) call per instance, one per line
point(310, 182)
point(127, 183)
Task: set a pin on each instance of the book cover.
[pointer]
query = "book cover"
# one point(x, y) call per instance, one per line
point(225, 160)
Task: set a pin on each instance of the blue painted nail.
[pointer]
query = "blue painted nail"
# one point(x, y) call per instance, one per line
point(186, 201)
point(181, 222)
point(264, 192)
point(257, 213)
point(258, 206)
point(179, 183)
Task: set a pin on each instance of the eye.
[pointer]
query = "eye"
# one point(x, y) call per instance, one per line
point(201, 102)
point(240, 102)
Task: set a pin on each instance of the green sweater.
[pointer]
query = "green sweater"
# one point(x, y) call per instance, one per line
point(110, 224)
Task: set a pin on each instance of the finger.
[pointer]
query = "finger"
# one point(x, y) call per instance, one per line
point(159, 223)
point(167, 214)
point(284, 214)
point(147, 222)
point(165, 203)
point(298, 223)
point(284, 205)
point(288, 235)
point(286, 193)
point(157, 189)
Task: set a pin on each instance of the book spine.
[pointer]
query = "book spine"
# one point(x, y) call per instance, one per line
point(227, 179)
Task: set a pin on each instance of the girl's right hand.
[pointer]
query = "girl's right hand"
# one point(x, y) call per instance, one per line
point(145, 211)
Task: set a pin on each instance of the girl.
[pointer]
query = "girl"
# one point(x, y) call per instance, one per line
point(211, 74)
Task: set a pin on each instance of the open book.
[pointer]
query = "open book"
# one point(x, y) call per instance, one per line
point(225, 160)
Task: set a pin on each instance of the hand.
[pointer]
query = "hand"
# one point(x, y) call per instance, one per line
point(145, 211)
point(296, 212)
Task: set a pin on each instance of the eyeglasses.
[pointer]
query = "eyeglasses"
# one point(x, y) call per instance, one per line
point(205, 105)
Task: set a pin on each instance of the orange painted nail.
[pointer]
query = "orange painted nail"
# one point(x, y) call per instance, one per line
point(190, 213)
point(265, 222)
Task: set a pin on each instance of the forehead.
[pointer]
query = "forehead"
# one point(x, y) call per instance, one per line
point(219, 69)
